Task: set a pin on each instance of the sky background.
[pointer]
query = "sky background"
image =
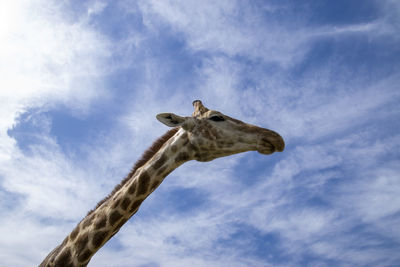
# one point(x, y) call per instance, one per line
point(82, 81)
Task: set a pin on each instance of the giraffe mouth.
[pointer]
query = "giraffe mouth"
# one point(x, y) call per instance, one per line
point(265, 147)
point(270, 143)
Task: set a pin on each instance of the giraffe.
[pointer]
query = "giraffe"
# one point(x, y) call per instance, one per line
point(204, 136)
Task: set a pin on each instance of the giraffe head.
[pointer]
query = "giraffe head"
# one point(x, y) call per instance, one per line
point(212, 134)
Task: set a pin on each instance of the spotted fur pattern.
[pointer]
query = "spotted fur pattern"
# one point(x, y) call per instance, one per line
point(202, 138)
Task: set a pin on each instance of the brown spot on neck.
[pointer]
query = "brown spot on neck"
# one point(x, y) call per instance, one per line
point(81, 242)
point(135, 205)
point(99, 238)
point(101, 222)
point(114, 217)
point(132, 188)
point(181, 157)
point(84, 255)
point(143, 183)
point(160, 162)
point(65, 257)
point(125, 203)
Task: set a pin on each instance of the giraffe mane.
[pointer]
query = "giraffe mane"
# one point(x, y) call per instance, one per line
point(146, 156)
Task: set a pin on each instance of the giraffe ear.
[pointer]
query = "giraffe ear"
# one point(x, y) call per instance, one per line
point(170, 119)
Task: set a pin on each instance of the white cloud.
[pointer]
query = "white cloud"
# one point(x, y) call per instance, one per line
point(375, 197)
point(236, 28)
point(47, 60)
point(228, 27)
point(96, 7)
point(315, 115)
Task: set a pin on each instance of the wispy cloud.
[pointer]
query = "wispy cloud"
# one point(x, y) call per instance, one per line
point(227, 27)
point(330, 89)
point(48, 60)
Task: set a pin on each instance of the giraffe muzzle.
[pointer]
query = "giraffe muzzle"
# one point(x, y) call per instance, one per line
point(270, 142)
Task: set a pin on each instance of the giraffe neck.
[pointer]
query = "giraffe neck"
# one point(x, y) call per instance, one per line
point(105, 221)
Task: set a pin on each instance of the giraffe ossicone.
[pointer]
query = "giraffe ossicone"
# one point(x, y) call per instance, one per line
point(204, 136)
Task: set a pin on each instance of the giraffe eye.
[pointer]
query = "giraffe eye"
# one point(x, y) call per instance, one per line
point(217, 118)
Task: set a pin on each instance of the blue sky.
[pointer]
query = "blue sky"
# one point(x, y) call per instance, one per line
point(82, 81)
